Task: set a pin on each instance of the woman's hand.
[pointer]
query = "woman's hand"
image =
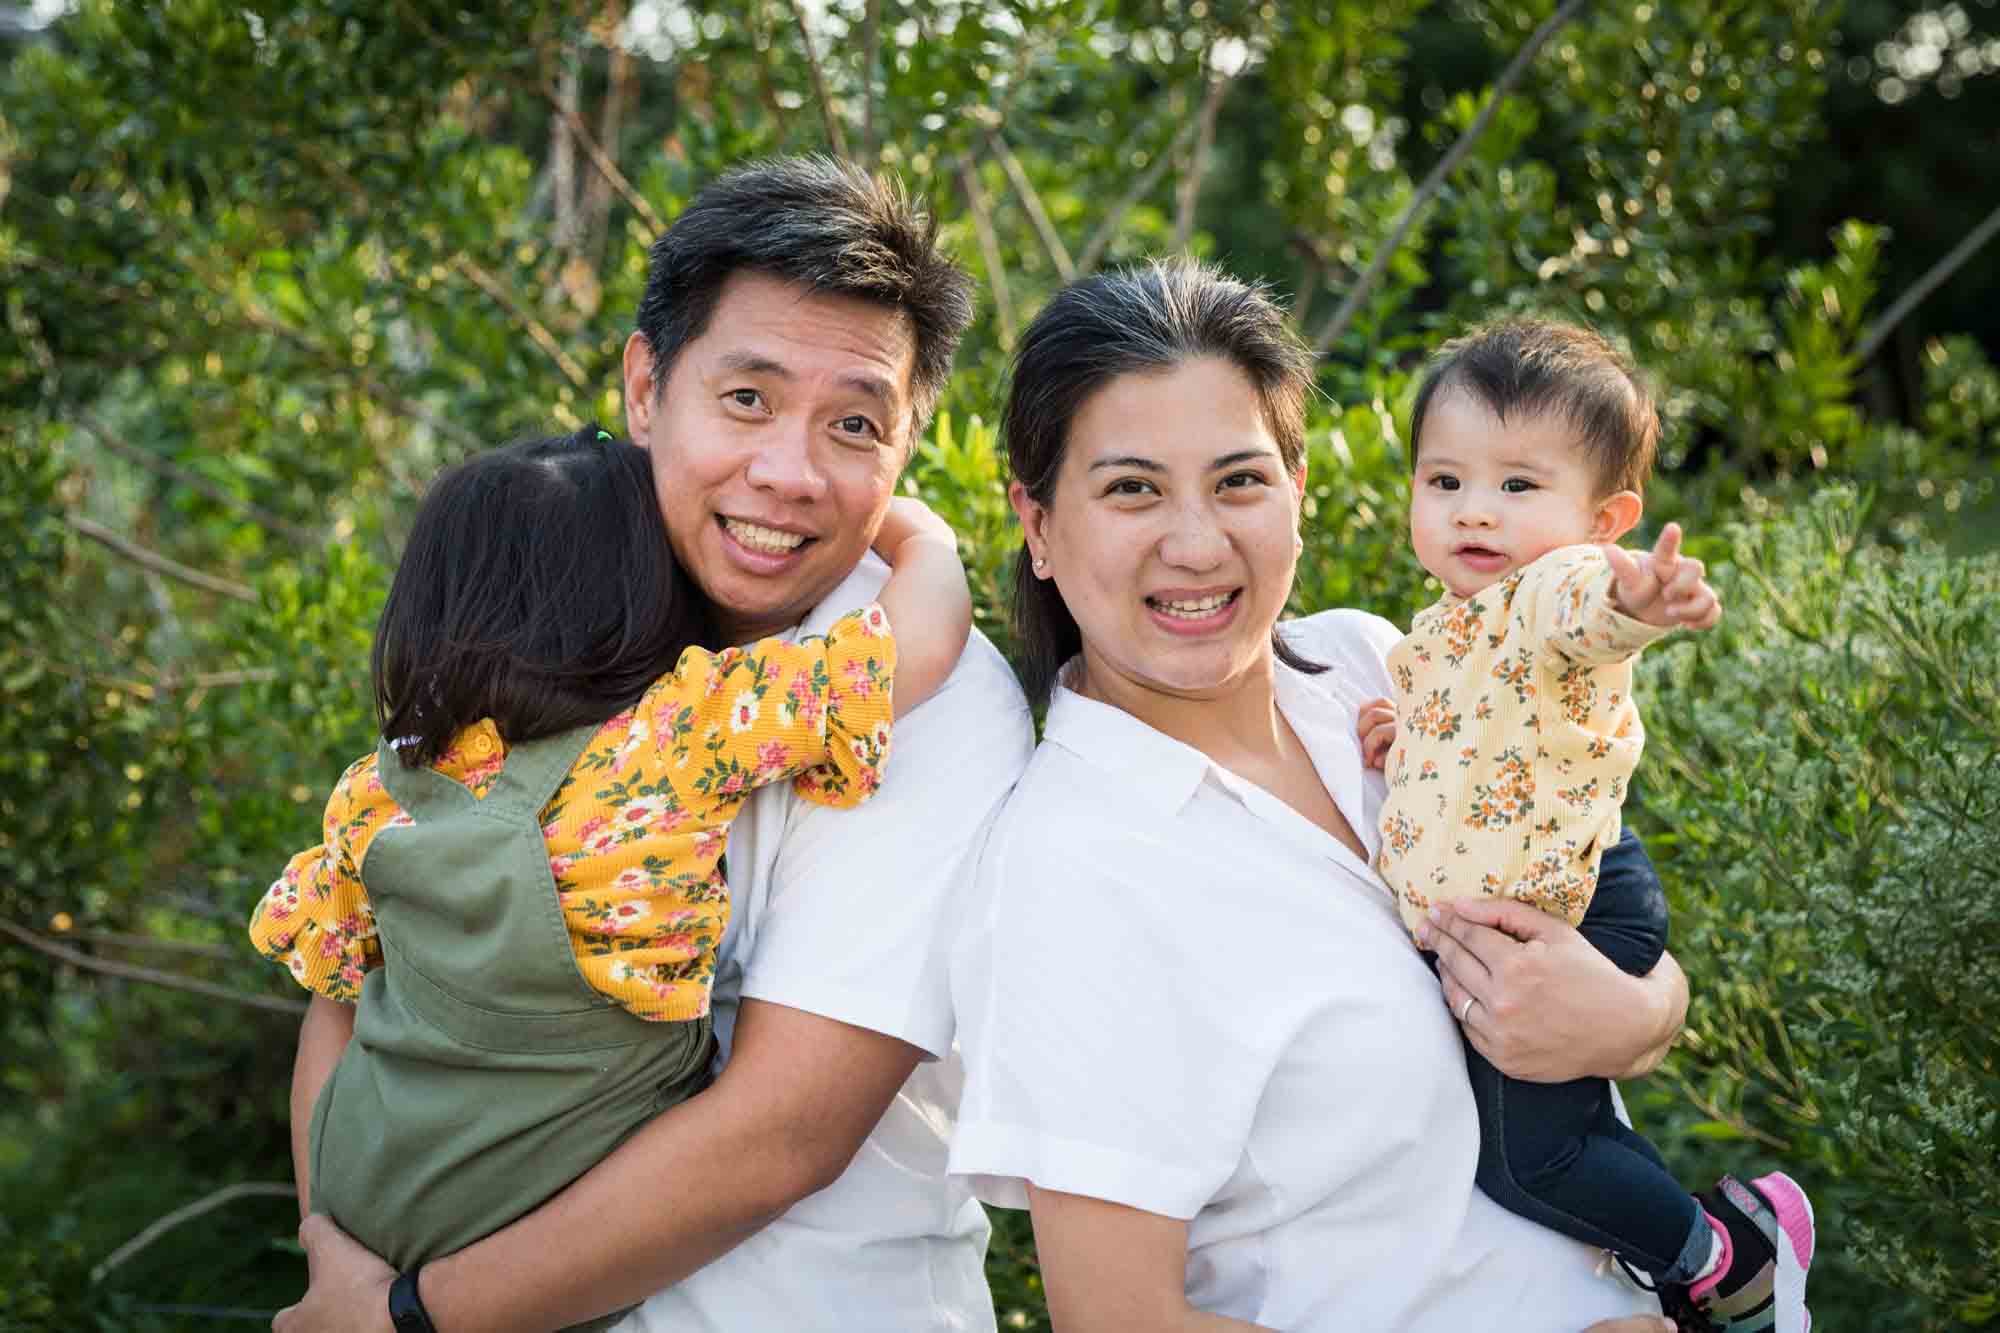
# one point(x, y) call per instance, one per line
point(347, 1286)
point(1543, 1005)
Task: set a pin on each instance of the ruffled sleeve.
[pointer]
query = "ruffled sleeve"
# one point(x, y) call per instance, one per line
point(817, 712)
point(315, 917)
point(1569, 595)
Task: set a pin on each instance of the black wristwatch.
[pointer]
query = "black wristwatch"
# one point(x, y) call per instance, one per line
point(406, 1308)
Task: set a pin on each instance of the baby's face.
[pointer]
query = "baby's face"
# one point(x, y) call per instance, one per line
point(1489, 497)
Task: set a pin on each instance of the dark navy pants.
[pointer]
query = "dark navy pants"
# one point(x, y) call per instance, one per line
point(1556, 1153)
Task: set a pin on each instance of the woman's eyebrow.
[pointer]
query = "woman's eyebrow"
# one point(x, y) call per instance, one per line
point(1129, 460)
point(1241, 456)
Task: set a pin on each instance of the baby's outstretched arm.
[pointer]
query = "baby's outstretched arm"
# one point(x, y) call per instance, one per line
point(1663, 587)
point(928, 605)
point(1377, 729)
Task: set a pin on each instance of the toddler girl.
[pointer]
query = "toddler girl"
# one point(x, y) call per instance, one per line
point(1508, 749)
point(516, 908)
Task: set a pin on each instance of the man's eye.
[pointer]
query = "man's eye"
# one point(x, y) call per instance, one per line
point(746, 397)
point(1517, 485)
point(855, 426)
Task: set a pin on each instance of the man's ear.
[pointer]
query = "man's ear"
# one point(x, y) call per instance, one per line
point(1617, 514)
point(1034, 516)
point(640, 395)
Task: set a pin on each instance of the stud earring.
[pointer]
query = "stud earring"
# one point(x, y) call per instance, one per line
point(1040, 564)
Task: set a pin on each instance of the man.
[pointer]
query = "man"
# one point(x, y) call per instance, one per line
point(797, 327)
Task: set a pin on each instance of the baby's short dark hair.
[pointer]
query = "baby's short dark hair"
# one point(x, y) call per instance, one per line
point(1538, 367)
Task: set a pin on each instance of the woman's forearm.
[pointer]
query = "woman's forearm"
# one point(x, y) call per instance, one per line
point(1664, 993)
point(323, 1035)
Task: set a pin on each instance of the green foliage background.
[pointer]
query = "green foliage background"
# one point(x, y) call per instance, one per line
point(264, 267)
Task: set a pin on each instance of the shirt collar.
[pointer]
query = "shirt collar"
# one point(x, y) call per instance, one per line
point(1165, 773)
point(861, 586)
point(1161, 771)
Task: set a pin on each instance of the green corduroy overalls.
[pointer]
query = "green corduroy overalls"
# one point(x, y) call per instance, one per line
point(484, 1073)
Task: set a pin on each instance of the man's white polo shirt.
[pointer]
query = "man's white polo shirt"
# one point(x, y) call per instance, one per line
point(847, 914)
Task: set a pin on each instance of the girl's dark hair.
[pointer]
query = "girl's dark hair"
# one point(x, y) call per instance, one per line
point(537, 589)
point(1140, 320)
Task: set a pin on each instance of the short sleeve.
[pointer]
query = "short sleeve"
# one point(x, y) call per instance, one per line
point(817, 711)
point(1104, 1056)
point(315, 918)
point(854, 920)
point(1568, 594)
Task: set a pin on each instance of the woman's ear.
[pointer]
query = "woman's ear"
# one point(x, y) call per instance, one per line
point(1034, 516)
point(1617, 514)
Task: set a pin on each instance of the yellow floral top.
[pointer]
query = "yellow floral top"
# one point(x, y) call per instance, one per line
point(635, 832)
point(1515, 736)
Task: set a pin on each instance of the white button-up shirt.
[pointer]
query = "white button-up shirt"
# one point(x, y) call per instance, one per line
point(846, 914)
point(1176, 993)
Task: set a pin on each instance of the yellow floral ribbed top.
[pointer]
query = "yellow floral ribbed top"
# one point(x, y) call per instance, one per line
point(636, 830)
point(1515, 736)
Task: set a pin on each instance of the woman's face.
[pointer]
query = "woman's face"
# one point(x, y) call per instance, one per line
point(1173, 531)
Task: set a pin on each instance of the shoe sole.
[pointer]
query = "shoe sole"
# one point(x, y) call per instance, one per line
point(1793, 1211)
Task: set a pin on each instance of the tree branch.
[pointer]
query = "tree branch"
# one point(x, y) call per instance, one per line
point(834, 136)
point(194, 481)
point(248, 1189)
point(611, 119)
point(1516, 69)
point(606, 168)
point(120, 940)
point(1871, 341)
point(871, 51)
point(1190, 189)
point(1100, 240)
point(989, 251)
point(158, 563)
point(493, 287)
point(151, 976)
point(1032, 202)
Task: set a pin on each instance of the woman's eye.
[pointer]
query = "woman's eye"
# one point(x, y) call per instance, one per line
point(1517, 485)
point(1129, 486)
point(1237, 481)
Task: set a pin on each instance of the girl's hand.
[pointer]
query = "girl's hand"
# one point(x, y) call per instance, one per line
point(1633, 1323)
point(1377, 728)
point(1663, 588)
point(928, 604)
point(910, 517)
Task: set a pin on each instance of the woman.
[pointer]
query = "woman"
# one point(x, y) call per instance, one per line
point(1199, 1045)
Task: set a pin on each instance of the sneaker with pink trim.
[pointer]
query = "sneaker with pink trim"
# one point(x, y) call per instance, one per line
point(1767, 1234)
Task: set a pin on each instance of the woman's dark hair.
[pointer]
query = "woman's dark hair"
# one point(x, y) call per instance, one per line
point(1146, 319)
point(537, 589)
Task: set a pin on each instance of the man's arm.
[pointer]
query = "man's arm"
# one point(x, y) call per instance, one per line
point(792, 1106)
point(323, 1035)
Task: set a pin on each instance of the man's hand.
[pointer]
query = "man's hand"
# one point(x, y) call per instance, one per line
point(1662, 588)
point(347, 1287)
point(1545, 1006)
point(1377, 728)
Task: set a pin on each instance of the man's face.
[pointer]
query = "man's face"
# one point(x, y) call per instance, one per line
point(776, 444)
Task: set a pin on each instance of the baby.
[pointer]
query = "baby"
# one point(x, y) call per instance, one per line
point(1508, 750)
